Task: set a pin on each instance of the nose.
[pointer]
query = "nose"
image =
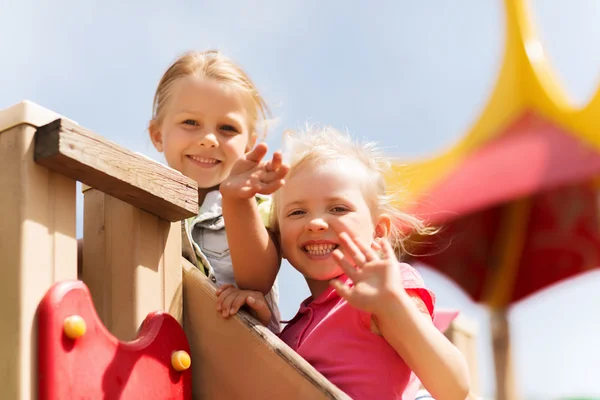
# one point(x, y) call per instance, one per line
point(208, 139)
point(317, 224)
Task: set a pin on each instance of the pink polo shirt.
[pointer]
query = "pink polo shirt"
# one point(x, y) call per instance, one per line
point(336, 339)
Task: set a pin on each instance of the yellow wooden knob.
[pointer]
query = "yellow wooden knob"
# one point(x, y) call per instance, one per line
point(180, 360)
point(74, 327)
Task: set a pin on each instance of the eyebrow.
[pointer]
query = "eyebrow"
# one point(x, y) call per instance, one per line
point(331, 199)
point(181, 112)
point(228, 118)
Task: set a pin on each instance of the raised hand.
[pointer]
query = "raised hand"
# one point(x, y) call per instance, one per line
point(377, 278)
point(251, 175)
point(231, 299)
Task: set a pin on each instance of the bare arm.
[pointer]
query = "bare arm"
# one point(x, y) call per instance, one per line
point(435, 360)
point(254, 255)
point(400, 316)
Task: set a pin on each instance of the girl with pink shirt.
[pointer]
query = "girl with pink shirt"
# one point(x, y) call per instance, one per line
point(368, 324)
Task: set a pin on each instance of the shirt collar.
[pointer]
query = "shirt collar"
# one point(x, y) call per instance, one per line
point(212, 206)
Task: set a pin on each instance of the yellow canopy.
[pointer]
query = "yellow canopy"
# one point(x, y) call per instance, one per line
point(526, 82)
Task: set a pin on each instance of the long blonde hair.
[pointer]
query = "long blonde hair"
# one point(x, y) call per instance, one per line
point(320, 145)
point(214, 65)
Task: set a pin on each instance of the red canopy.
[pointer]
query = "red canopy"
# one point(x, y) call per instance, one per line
point(519, 214)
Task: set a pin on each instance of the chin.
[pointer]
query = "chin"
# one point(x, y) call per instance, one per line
point(323, 276)
point(206, 185)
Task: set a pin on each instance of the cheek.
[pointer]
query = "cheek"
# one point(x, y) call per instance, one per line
point(286, 234)
point(174, 139)
point(363, 226)
point(235, 147)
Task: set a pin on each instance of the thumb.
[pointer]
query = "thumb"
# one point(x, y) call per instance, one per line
point(257, 153)
point(263, 314)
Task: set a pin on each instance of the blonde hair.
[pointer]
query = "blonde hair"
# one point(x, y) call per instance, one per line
point(213, 65)
point(321, 145)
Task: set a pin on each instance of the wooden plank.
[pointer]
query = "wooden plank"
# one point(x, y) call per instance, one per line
point(131, 263)
point(506, 388)
point(84, 156)
point(238, 358)
point(37, 248)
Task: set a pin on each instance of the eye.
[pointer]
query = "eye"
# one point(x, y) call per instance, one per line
point(340, 209)
point(296, 213)
point(230, 128)
point(190, 122)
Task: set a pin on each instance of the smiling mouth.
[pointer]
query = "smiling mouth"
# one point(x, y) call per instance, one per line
point(203, 160)
point(320, 249)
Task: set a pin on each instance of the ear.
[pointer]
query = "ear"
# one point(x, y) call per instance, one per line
point(155, 136)
point(383, 227)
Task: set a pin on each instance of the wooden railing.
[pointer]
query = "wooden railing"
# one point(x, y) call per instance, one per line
point(131, 260)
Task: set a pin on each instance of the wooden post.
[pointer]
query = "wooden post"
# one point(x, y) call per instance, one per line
point(463, 334)
point(37, 242)
point(505, 383)
point(131, 263)
point(132, 224)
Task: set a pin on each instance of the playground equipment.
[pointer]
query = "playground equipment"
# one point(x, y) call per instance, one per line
point(137, 320)
point(54, 341)
point(517, 197)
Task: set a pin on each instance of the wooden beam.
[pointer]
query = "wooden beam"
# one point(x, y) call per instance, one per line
point(82, 155)
point(238, 358)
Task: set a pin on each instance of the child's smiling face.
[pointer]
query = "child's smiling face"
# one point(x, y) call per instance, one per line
point(204, 130)
point(313, 200)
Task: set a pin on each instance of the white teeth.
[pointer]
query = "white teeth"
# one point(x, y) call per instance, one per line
point(319, 249)
point(204, 160)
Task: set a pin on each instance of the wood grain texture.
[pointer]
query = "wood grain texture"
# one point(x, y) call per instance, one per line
point(37, 248)
point(84, 156)
point(130, 263)
point(239, 358)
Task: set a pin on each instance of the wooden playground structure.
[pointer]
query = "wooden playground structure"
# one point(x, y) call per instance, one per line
point(71, 332)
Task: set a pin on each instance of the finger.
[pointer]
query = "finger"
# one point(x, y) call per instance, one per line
point(347, 245)
point(341, 288)
point(276, 161)
point(368, 251)
point(260, 307)
point(222, 288)
point(349, 269)
point(223, 295)
point(228, 301)
point(388, 251)
point(257, 153)
point(352, 250)
point(239, 302)
point(269, 166)
point(375, 245)
point(269, 188)
point(266, 177)
point(283, 170)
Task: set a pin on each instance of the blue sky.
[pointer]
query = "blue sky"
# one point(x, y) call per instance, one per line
point(407, 74)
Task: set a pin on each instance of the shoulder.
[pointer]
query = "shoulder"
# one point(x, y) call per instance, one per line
point(417, 290)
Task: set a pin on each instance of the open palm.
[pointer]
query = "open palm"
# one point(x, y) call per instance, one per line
point(376, 278)
point(250, 175)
